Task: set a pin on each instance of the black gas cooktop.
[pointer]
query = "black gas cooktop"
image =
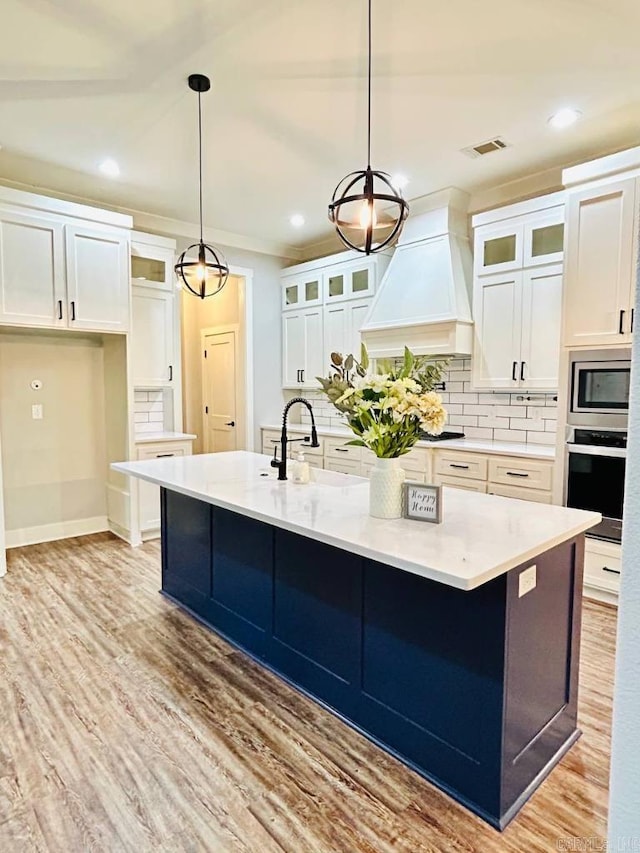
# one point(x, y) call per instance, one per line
point(444, 436)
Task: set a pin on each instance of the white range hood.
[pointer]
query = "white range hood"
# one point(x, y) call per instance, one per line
point(423, 301)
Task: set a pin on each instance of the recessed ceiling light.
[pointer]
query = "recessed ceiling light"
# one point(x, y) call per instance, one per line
point(297, 220)
point(564, 118)
point(110, 168)
point(399, 181)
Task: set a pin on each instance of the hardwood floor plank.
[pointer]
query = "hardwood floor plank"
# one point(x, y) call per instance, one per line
point(126, 725)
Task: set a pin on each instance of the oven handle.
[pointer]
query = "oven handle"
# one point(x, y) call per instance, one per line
point(597, 450)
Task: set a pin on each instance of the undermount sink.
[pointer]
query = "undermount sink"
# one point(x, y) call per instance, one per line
point(320, 476)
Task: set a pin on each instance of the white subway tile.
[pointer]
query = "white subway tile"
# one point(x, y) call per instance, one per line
point(509, 435)
point(550, 414)
point(493, 423)
point(547, 438)
point(156, 417)
point(148, 427)
point(523, 423)
point(463, 376)
point(463, 420)
point(454, 408)
point(475, 409)
point(141, 417)
point(494, 399)
point(140, 396)
point(456, 387)
point(535, 413)
point(444, 395)
point(155, 396)
point(551, 426)
point(478, 432)
point(511, 411)
point(456, 365)
point(551, 403)
point(463, 398)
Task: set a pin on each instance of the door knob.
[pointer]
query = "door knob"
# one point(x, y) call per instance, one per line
point(231, 423)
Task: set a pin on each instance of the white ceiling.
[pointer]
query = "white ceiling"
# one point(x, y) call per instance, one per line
point(81, 80)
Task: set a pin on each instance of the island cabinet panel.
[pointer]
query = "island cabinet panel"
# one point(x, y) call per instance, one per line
point(541, 683)
point(317, 605)
point(242, 578)
point(476, 690)
point(186, 550)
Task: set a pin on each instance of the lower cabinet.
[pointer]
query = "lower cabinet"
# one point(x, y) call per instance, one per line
point(602, 566)
point(148, 493)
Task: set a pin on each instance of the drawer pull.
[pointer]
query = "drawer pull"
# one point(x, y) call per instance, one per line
point(342, 449)
point(456, 465)
point(611, 571)
point(163, 455)
point(516, 474)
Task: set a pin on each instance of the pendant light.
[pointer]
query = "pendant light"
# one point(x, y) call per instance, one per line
point(366, 209)
point(207, 275)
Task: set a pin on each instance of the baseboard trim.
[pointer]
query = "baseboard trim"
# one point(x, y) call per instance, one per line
point(52, 532)
point(603, 595)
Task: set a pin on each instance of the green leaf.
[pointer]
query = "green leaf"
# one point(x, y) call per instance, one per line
point(356, 442)
point(408, 362)
point(364, 358)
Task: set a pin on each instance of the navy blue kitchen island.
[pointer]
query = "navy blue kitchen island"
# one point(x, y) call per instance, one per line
point(474, 688)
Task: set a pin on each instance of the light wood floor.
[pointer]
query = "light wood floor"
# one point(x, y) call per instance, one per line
point(126, 726)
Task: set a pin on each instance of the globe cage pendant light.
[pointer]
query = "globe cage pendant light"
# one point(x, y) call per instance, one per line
point(367, 210)
point(207, 275)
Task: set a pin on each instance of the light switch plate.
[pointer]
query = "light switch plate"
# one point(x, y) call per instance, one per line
point(36, 412)
point(527, 581)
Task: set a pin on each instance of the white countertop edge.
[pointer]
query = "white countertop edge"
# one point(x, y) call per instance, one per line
point(473, 445)
point(356, 548)
point(150, 437)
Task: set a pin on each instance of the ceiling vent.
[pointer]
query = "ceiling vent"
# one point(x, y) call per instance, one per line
point(482, 148)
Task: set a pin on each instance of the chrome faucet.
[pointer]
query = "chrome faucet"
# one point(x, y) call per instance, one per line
point(281, 464)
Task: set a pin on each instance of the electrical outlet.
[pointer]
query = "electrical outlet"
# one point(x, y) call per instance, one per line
point(36, 412)
point(527, 581)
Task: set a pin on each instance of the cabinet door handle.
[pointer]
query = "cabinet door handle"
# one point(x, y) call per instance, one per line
point(514, 373)
point(611, 571)
point(73, 310)
point(455, 465)
point(633, 311)
point(164, 455)
point(621, 323)
point(59, 309)
point(298, 379)
point(302, 375)
point(522, 366)
point(231, 423)
point(516, 474)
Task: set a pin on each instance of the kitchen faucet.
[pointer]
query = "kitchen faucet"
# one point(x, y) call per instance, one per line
point(281, 464)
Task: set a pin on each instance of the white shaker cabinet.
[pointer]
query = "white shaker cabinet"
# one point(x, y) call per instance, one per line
point(97, 279)
point(517, 295)
point(342, 324)
point(152, 337)
point(302, 347)
point(32, 273)
point(600, 269)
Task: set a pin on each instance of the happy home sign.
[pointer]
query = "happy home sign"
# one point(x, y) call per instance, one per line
point(423, 503)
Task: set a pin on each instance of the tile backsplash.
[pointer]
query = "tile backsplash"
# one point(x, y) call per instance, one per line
point(479, 414)
point(148, 411)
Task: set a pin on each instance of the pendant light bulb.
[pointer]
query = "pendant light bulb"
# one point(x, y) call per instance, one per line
point(368, 199)
point(208, 274)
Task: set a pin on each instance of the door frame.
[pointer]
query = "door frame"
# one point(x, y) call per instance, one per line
point(241, 398)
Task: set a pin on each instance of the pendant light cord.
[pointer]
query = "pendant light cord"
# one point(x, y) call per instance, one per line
point(369, 97)
point(200, 160)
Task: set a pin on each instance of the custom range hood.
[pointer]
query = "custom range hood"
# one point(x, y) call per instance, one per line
point(423, 301)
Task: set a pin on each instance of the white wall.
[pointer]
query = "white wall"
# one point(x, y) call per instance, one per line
point(54, 468)
point(624, 804)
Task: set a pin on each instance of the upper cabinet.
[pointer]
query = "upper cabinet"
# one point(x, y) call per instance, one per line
point(155, 332)
point(32, 271)
point(62, 265)
point(517, 297)
point(600, 268)
point(324, 305)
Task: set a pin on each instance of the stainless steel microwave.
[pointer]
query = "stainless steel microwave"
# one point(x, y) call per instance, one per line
point(600, 386)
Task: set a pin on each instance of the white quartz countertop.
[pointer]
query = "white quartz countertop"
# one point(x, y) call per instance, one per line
point(480, 537)
point(149, 437)
point(473, 445)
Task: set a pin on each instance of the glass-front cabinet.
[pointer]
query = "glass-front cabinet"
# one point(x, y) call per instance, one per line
point(301, 291)
point(521, 241)
point(350, 281)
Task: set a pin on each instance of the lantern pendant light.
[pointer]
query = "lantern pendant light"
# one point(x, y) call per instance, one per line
point(207, 275)
point(366, 209)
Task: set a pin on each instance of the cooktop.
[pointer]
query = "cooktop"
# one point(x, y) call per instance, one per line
point(444, 436)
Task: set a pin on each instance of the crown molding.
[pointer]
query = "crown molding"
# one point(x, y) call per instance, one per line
point(167, 227)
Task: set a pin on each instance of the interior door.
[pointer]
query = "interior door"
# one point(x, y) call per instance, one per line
point(541, 328)
point(219, 374)
point(32, 287)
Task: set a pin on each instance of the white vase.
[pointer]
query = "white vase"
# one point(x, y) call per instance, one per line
point(385, 489)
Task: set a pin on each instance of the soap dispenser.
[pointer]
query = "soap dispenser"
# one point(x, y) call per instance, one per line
point(300, 472)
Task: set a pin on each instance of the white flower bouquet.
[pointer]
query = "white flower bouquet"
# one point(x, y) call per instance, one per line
point(389, 409)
